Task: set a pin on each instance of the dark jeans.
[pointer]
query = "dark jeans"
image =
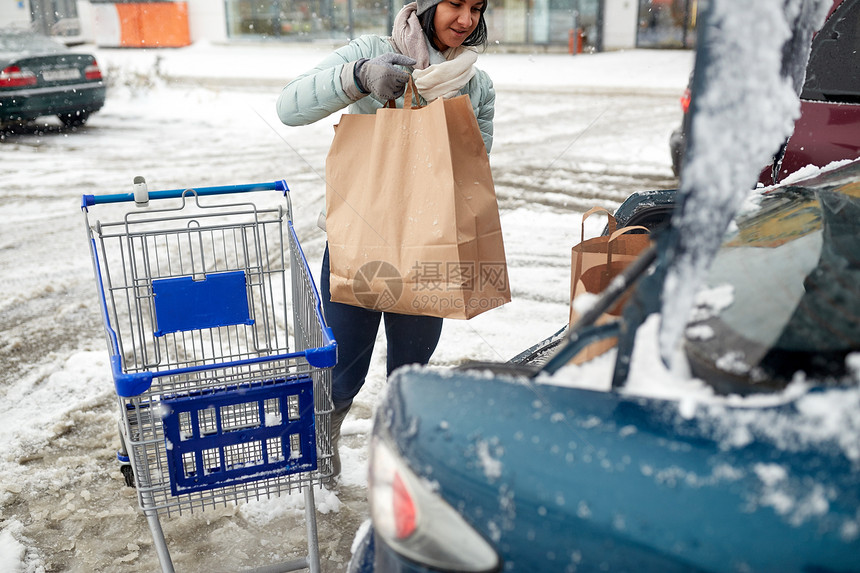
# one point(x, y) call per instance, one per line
point(411, 340)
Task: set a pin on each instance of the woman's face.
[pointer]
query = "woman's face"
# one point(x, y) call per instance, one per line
point(454, 21)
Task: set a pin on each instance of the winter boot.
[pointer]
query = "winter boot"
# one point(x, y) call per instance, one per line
point(337, 418)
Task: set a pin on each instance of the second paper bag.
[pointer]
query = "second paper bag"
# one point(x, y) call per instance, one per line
point(594, 263)
point(411, 213)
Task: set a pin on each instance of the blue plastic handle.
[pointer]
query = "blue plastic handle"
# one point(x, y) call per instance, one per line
point(133, 384)
point(89, 200)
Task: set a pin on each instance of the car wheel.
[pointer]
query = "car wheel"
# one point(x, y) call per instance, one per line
point(74, 119)
point(17, 125)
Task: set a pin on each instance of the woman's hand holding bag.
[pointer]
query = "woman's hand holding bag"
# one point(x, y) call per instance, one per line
point(381, 77)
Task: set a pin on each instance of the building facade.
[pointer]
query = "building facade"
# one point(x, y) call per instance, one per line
point(557, 25)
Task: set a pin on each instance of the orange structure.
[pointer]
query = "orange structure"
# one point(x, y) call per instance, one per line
point(144, 25)
point(574, 41)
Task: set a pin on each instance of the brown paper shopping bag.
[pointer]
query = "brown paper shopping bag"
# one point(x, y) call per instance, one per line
point(411, 213)
point(594, 263)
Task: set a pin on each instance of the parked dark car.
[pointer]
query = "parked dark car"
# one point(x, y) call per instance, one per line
point(40, 77)
point(829, 123)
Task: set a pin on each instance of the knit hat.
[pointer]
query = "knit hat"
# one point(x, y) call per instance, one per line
point(424, 5)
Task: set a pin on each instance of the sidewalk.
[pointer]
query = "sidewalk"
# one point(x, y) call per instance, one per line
point(659, 71)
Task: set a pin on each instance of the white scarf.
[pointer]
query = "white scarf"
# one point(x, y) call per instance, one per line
point(447, 78)
point(433, 80)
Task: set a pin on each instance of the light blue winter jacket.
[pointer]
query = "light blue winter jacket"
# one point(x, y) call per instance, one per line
point(330, 87)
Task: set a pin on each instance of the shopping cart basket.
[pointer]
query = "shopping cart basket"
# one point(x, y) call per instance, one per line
point(219, 352)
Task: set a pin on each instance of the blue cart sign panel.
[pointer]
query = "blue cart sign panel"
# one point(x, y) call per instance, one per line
point(187, 303)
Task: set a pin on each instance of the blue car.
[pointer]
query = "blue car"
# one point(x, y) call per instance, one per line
point(506, 467)
point(744, 455)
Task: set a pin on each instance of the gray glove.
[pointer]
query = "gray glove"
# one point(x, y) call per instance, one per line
point(380, 77)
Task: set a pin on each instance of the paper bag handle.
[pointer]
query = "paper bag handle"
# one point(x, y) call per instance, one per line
point(577, 272)
point(410, 95)
point(610, 220)
point(615, 234)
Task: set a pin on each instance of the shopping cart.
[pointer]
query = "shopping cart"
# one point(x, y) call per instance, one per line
point(222, 397)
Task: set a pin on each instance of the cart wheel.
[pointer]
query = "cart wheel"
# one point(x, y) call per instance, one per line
point(128, 474)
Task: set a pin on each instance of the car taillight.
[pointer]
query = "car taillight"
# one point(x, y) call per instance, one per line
point(417, 523)
point(404, 509)
point(15, 77)
point(92, 72)
point(685, 100)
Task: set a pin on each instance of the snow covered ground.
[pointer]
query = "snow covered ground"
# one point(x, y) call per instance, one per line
point(571, 132)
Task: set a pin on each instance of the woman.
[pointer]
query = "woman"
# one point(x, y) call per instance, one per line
point(431, 40)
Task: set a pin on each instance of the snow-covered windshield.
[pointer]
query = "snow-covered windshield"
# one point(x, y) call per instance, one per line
point(781, 294)
point(834, 69)
point(18, 43)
